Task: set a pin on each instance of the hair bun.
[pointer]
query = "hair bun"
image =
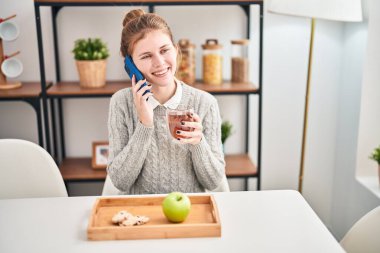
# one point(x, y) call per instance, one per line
point(133, 14)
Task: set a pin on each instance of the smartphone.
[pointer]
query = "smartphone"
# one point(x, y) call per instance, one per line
point(131, 69)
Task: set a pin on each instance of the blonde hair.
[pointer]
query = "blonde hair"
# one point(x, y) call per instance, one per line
point(136, 25)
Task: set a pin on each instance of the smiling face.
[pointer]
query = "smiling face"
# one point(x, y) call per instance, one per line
point(156, 57)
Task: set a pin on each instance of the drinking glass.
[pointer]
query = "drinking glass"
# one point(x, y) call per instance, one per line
point(175, 118)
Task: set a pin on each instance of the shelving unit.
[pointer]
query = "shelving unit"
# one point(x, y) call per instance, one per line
point(79, 169)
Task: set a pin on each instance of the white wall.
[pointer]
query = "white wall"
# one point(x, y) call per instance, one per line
point(329, 185)
point(356, 134)
point(286, 42)
point(285, 86)
point(369, 134)
point(324, 93)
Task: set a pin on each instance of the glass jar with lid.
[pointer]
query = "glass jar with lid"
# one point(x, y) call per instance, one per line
point(212, 62)
point(239, 61)
point(186, 65)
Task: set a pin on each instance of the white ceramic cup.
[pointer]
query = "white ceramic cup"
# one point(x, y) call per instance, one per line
point(12, 67)
point(9, 31)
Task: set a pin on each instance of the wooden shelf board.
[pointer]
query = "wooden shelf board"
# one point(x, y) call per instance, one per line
point(226, 87)
point(73, 89)
point(28, 89)
point(76, 169)
point(67, 89)
point(239, 166)
point(79, 169)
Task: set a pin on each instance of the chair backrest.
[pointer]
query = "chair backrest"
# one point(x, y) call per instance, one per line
point(364, 235)
point(109, 189)
point(28, 171)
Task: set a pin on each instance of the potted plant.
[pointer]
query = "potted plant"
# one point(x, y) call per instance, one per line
point(90, 55)
point(376, 157)
point(226, 131)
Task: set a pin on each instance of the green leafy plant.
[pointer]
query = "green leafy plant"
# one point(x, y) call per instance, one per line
point(226, 130)
point(376, 155)
point(90, 49)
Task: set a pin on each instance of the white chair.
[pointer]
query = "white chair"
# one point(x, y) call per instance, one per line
point(109, 189)
point(364, 235)
point(28, 171)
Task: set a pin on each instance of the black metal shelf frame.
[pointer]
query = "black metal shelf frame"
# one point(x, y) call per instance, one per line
point(56, 7)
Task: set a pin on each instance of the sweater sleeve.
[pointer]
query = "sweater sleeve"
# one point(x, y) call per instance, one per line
point(207, 156)
point(128, 146)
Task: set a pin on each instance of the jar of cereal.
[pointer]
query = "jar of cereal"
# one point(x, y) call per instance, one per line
point(239, 61)
point(186, 66)
point(212, 62)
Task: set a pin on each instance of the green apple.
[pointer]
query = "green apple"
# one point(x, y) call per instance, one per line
point(176, 206)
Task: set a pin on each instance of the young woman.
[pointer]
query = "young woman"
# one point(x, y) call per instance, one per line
point(143, 157)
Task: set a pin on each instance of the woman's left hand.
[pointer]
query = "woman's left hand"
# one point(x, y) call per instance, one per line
point(192, 137)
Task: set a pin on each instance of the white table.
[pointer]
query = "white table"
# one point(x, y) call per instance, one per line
point(264, 221)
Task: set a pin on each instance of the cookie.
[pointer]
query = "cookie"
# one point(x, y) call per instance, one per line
point(131, 221)
point(140, 220)
point(124, 218)
point(121, 216)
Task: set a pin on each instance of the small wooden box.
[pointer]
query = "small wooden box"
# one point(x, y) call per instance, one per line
point(203, 219)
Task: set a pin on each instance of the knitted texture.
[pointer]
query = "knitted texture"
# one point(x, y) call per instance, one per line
point(146, 160)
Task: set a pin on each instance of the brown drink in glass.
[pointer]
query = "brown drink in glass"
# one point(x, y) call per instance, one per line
point(175, 117)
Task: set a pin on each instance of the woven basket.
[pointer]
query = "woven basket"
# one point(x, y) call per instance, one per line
point(92, 74)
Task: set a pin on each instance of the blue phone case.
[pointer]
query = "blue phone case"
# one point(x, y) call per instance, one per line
point(131, 69)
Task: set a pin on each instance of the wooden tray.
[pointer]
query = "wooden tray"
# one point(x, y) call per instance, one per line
point(203, 220)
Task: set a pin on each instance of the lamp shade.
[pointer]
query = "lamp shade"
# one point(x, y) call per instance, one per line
point(338, 10)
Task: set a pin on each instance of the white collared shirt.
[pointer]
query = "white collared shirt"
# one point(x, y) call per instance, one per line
point(173, 102)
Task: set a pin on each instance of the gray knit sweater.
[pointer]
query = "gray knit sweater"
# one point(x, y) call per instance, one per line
point(145, 160)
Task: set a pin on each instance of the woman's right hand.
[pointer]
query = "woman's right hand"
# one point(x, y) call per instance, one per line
point(144, 110)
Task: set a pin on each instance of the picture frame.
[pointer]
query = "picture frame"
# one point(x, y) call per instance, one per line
point(100, 150)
